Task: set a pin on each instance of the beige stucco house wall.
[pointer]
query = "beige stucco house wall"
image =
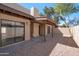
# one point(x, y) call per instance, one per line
point(35, 29)
point(26, 21)
point(46, 26)
point(34, 12)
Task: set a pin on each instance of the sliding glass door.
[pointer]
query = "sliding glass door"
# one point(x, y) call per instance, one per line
point(11, 32)
point(8, 32)
point(19, 32)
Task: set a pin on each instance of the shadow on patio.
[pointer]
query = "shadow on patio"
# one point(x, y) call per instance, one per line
point(45, 48)
point(33, 48)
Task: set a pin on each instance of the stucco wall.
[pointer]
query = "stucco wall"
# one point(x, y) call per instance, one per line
point(36, 30)
point(27, 23)
point(64, 31)
point(75, 33)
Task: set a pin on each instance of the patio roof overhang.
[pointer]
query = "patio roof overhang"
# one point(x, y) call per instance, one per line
point(4, 8)
point(45, 20)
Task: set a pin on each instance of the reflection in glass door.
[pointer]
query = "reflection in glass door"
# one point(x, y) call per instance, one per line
point(19, 35)
point(11, 32)
point(7, 31)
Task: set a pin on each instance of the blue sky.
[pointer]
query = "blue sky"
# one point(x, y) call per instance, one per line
point(39, 6)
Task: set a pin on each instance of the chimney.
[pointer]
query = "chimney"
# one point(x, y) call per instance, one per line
point(34, 12)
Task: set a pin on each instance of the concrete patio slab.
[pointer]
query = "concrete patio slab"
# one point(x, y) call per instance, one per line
point(56, 46)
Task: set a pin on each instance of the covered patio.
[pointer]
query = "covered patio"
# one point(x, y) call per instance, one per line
point(42, 26)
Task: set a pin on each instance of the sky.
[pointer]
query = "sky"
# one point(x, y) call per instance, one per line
point(40, 8)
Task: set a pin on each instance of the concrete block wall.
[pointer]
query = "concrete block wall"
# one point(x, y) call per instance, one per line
point(64, 31)
point(75, 33)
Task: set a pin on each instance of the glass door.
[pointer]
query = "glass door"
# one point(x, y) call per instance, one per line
point(11, 32)
point(8, 32)
point(19, 34)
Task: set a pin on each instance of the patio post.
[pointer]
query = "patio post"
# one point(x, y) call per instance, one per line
point(44, 34)
point(52, 31)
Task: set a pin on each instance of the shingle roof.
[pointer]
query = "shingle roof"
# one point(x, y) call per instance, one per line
point(12, 10)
